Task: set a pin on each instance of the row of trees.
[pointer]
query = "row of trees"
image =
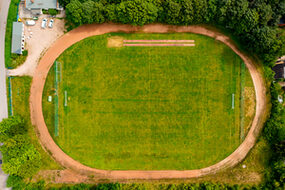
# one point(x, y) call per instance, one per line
point(274, 132)
point(20, 185)
point(252, 21)
point(20, 157)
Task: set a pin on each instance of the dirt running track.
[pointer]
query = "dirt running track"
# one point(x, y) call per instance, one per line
point(85, 31)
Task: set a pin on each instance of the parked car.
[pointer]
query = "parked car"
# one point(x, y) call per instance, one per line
point(35, 18)
point(0, 161)
point(30, 22)
point(50, 25)
point(44, 23)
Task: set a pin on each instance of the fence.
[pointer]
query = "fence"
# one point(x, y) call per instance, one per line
point(10, 105)
point(56, 107)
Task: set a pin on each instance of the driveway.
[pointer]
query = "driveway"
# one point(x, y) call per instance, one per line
point(4, 7)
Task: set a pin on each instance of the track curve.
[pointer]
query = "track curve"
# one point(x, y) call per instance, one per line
point(85, 31)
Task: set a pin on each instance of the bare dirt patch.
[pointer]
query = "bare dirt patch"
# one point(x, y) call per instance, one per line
point(115, 41)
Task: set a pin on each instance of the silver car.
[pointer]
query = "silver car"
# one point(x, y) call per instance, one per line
point(50, 25)
point(44, 23)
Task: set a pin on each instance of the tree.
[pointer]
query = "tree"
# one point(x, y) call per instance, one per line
point(98, 13)
point(110, 12)
point(137, 12)
point(172, 12)
point(24, 161)
point(74, 12)
point(11, 126)
point(20, 158)
point(87, 12)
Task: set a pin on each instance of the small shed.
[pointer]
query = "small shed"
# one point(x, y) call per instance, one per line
point(18, 40)
point(279, 71)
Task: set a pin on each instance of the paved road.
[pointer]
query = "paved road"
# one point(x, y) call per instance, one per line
point(4, 7)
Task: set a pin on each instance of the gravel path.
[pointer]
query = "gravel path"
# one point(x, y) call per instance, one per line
point(82, 32)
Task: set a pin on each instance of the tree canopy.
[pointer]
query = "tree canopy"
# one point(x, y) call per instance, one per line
point(20, 157)
point(254, 22)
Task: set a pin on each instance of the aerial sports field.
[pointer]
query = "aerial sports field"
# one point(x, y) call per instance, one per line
point(147, 101)
point(51, 135)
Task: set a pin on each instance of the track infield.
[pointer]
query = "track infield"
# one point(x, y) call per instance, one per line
point(149, 108)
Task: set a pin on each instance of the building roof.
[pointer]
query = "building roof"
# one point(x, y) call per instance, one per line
point(41, 4)
point(279, 71)
point(17, 37)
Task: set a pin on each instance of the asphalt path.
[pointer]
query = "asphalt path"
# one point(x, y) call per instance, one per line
point(4, 7)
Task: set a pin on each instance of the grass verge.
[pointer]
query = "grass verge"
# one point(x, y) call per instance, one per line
point(20, 95)
point(12, 60)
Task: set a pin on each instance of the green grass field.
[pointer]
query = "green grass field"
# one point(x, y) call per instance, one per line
point(20, 96)
point(147, 107)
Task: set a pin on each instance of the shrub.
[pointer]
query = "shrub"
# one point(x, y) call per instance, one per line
point(52, 12)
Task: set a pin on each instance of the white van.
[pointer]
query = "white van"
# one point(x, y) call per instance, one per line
point(30, 22)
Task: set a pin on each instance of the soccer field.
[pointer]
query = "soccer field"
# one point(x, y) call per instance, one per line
point(148, 108)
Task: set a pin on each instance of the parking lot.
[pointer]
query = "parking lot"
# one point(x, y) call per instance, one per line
point(37, 40)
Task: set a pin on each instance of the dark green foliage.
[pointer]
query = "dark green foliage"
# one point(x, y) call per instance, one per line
point(136, 12)
point(274, 128)
point(18, 184)
point(20, 158)
point(274, 132)
point(14, 181)
point(10, 127)
point(52, 12)
point(25, 53)
point(74, 12)
point(253, 22)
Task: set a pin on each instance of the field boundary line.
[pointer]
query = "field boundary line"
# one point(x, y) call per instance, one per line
point(161, 41)
point(189, 45)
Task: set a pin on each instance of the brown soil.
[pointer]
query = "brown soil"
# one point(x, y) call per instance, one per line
point(115, 41)
point(85, 31)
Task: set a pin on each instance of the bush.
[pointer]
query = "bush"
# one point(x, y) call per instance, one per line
point(52, 12)
point(25, 53)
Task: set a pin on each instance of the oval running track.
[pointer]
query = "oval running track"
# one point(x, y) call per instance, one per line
point(85, 31)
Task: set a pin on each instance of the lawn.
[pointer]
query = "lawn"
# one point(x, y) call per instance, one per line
point(20, 98)
point(148, 108)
